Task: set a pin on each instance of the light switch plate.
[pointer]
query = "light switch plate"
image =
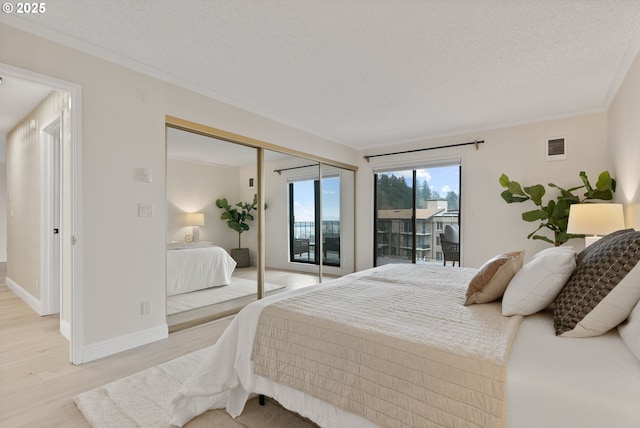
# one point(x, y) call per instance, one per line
point(145, 210)
point(146, 175)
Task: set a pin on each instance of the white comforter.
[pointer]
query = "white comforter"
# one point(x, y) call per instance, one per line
point(225, 378)
point(551, 382)
point(190, 269)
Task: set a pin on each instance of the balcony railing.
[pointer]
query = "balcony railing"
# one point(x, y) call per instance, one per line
point(304, 233)
point(307, 229)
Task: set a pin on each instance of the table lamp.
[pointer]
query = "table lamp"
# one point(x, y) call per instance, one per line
point(196, 220)
point(595, 220)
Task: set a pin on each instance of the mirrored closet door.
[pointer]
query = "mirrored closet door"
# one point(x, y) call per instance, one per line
point(210, 270)
point(215, 181)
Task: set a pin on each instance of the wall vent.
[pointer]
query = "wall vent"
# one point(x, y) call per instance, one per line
point(556, 149)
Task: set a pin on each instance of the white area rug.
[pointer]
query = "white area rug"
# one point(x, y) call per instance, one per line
point(140, 400)
point(239, 287)
point(143, 400)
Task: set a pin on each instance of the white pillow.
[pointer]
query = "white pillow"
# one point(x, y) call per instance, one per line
point(630, 331)
point(536, 285)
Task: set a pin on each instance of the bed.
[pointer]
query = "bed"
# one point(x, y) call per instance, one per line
point(197, 266)
point(452, 357)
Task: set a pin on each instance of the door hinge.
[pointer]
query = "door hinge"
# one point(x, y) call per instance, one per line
point(74, 241)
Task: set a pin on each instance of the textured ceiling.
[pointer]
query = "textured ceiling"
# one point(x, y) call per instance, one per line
point(367, 72)
point(183, 145)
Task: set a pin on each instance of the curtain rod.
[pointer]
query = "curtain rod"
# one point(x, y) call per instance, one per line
point(279, 171)
point(475, 143)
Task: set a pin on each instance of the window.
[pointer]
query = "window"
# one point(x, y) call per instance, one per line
point(412, 206)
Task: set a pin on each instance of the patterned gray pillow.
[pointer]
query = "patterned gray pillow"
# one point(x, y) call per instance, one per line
point(602, 290)
point(600, 242)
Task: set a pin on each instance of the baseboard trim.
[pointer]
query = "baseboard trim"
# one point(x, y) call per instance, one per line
point(27, 297)
point(124, 343)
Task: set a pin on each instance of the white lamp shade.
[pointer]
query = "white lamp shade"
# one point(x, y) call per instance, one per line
point(195, 219)
point(595, 219)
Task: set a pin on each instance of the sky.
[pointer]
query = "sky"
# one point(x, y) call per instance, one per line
point(303, 203)
point(441, 179)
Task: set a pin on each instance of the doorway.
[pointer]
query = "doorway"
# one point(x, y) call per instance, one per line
point(46, 112)
point(412, 208)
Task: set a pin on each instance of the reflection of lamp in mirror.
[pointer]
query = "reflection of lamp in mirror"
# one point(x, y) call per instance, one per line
point(196, 220)
point(595, 220)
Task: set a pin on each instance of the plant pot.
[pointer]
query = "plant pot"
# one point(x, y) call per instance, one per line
point(241, 256)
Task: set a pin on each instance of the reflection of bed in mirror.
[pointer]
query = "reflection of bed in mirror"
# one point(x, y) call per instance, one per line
point(197, 266)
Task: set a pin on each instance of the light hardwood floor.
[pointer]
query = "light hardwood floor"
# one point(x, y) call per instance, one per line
point(289, 279)
point(37, 382)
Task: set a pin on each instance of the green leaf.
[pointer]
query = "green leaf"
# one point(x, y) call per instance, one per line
point(604, 188)
point(222, 203)
point(569, 197)
point(543, 238)
point(604, 195)
point(534, 215)
point(585, 180)
point(564, 237)
point(536, 192)
point(515, 188)
point(562, 208)
point(510, 198)
point(504, 180)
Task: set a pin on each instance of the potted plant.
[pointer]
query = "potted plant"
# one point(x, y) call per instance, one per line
point(555, 214)
point(238, 218)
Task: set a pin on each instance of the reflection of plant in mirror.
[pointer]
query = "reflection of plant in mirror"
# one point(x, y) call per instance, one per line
point(555, 215)
point(238, 218)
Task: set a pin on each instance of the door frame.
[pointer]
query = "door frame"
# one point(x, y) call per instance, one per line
point(74, 170)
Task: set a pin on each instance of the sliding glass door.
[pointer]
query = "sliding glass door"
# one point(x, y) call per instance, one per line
point(315, 232)
point(412, 208)
point(303, 225)
point(394, 217)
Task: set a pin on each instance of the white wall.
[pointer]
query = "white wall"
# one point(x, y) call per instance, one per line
point(3, 199)
point(489, 225)
point(124, 256)
point(3, 212)
point(194, 187)
point(624, 143)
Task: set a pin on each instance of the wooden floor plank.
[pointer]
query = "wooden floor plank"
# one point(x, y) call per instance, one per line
point(37, 381)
